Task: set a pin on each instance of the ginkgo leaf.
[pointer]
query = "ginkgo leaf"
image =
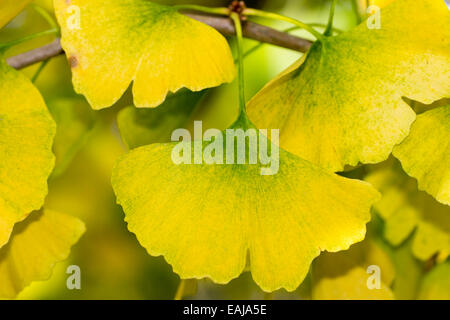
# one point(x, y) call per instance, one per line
point(436, 284)
point(405, 210)
point(345, 275)
point(342, 103)
point(36, 244)
point(425, 153)
point(204, 219)
point(139, 127)
point(9, 9)
point(26, 159)
point(153, 45)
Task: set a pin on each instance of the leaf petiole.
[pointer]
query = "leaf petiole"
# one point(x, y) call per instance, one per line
point(39, 70)
point(329, 29)
point(13, 43)
point(237, 22)
point(270, 15)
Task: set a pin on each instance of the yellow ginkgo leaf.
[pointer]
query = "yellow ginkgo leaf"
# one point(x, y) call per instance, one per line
point(36, 244)
point(205, 219)
point(425, 153)
point(9, 9)
point(342, 104)
point(26, 159)
point(365, 271)
point(111, 43)
point(405, 209)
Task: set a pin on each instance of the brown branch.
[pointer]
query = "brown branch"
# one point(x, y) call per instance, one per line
point(224, 25)
point(39, 54)
point(254, 31)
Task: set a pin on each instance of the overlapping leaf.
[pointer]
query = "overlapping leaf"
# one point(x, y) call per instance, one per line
point(342, 104)
point(35, 246)
point(425, 153)
point(26, 159)
point(111, 43)
point(205, 219)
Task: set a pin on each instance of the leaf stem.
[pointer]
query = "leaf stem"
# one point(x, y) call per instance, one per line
point(13, 43)
point(329, 28)
point(237, 22)
point(275, 16)
point(39, 70)
point(219, 11)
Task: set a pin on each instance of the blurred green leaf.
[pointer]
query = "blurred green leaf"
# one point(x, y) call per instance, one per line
point(139, 127)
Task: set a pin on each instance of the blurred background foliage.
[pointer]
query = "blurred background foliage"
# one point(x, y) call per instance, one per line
point(114, 265)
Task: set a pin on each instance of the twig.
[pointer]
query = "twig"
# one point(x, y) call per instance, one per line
point(36, 55)
point(254, 31)
point(224, 25)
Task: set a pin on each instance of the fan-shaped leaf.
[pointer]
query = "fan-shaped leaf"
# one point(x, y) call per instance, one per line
point(26, 159)
point(205, 218)
point(36, 244)
point(425, 153)
point(342, 104)
point(111, 43)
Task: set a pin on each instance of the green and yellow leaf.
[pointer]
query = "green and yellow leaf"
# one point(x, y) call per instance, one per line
point(26, 159)
point(36, 245)
point(425, 153)
point(206, 219)
point(11, 8)
point(342, 103)
point(154, 46)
